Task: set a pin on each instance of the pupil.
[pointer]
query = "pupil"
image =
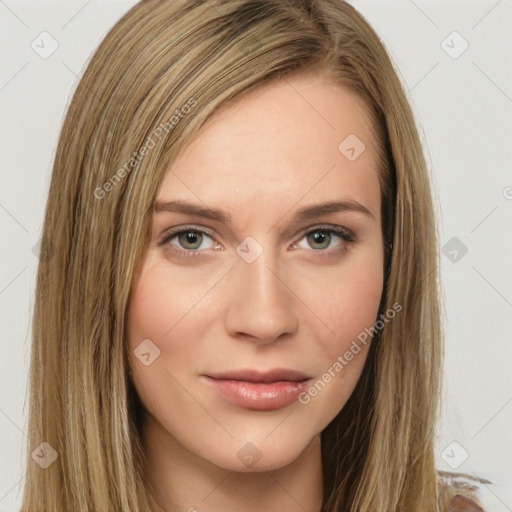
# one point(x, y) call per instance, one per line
point(320, 237)
point(191, 238)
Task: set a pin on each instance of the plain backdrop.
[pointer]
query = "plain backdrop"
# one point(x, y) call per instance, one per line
point(455, 60)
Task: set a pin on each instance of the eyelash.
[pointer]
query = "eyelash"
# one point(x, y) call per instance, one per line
point(345, 234)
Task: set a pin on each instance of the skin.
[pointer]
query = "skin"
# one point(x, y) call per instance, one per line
point(300, 304)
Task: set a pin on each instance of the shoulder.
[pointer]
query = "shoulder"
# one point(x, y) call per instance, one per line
point(461, 492)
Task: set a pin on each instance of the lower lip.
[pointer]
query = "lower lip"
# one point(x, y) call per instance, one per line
point(258, 396)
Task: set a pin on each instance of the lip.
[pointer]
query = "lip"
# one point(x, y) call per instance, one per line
point(259, 390)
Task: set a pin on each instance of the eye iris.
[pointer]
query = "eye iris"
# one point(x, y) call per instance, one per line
point(319, 237)
point(189, 237)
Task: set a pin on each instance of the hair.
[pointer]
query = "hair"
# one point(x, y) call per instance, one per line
point(167, 67)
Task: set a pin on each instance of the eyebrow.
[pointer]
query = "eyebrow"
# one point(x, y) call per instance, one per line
point(306, 213)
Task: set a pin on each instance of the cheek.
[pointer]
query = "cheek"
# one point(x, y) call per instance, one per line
point(161, 304)
point(347, 299)
point(348, 305)
point(169, 317)
point(355, 302)
point(154, 316)
point(351, 313)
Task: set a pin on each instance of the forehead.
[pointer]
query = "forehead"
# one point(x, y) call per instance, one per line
point(279, 144)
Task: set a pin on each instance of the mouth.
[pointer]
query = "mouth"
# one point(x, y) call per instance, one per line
point(259, 390)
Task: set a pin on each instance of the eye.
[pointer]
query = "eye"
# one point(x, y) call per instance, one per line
point(321, 238)
point(187, 240)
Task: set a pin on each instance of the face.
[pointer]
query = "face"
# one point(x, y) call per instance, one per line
point(251, 293)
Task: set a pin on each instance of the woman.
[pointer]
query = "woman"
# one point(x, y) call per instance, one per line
point(218, 376)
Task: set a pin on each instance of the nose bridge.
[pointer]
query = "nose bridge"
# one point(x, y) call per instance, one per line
point(261, 278)
point(260, 303)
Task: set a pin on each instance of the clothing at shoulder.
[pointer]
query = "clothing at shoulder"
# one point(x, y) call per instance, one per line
point(462, 492)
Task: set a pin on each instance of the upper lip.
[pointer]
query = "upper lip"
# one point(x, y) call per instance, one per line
point(259, 376)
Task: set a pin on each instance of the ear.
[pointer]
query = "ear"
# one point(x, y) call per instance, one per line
point(461, 503)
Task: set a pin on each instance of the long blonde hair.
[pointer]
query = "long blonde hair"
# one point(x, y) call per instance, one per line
point(165, 68)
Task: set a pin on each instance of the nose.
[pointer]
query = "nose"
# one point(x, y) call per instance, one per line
point(260, 302)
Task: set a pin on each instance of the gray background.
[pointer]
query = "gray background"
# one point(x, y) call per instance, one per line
point(463, 106)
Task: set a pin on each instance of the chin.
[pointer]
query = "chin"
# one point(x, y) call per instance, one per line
point(246, 456)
